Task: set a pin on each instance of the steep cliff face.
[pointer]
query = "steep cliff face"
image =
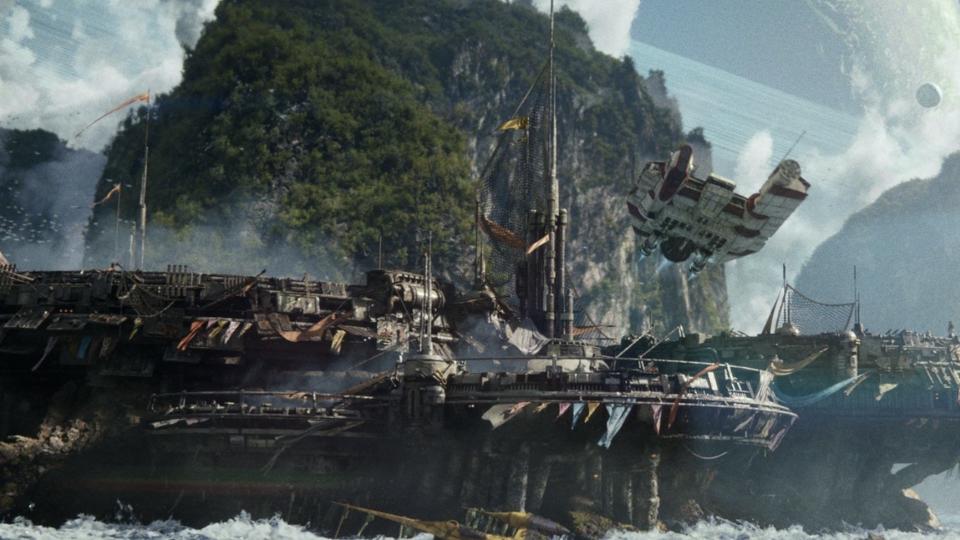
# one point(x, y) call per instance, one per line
point(905, 247)
point(314, 127)
point(44, 198)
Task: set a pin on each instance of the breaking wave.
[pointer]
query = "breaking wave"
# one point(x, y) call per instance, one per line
point(243, 527)
point(726, 530)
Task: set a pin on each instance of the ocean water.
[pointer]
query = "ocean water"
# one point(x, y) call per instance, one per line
point(243, 527)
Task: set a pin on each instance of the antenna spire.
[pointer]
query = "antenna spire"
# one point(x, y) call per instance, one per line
point(553, 296)
point(856, 302)
point(554, 183)
point(143, 186)
point(426, 336)
point(786, 300)
point(794, 145)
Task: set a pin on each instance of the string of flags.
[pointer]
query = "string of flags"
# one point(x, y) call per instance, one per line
point(219, 331)
point(84, 349)
point(617, 415)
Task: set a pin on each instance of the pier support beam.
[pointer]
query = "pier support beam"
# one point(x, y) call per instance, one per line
point(623, 503)
point(593, 476)
point(646, 491)
point(609, 483)
point(519, 478)
point(468, 487)
point(539, 479)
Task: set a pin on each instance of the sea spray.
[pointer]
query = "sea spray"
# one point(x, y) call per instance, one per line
point(244, 527)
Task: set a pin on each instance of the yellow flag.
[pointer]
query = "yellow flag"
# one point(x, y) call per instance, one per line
point(520, 122)
point(591, 408)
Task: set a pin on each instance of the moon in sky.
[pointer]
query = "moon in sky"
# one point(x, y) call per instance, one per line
point(929, 95)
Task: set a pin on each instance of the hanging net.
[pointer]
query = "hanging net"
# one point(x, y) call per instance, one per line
point(586, 328)
point(812, 317)
point(512, 184)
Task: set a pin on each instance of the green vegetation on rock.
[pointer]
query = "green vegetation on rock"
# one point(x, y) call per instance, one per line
point(303, 130)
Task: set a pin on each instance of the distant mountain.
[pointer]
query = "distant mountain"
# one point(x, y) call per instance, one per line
point(45, 197)
point(906, 247)
point(303, 130)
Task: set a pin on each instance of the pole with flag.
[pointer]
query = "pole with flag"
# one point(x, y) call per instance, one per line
point(116, 233)
point(116, 228)
point(144, 98)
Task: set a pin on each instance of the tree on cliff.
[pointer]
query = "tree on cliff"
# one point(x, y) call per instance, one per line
point(303, 130)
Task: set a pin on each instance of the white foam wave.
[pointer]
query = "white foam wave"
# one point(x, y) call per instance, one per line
point(726, 530)
point(243, 527)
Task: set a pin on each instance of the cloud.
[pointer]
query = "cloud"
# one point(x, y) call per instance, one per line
point(894, 47)
point(608, 21)
point(753, 162)
point(63, 63)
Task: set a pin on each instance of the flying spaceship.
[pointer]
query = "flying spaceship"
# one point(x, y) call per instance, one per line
point(705, 220)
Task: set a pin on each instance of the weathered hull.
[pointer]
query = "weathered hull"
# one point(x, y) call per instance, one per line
point(201, 395)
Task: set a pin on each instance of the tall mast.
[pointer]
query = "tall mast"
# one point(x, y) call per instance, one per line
point(143, 187)
point(478, 263)
point(856, 302)
point(554, 183)
point(560, 299)
point(553, 196)
point(426, 334)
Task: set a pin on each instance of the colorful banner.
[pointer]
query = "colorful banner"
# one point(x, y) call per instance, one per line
point(577, 413)
point(231, 329)
point(617, 414)
point(145, 97)
point(591, 408)
point(500, 414)
point(657, 411)
point(108, 196)
point(51, 344)
point(195, 328)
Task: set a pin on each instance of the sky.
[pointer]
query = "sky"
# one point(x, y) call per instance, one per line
point(755, 74)
point(65, 62)
point(780, 44)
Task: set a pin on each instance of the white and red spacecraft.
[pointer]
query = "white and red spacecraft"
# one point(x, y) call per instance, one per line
point(705, 220)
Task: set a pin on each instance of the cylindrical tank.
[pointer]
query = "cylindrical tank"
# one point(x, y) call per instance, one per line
point(848, 359)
